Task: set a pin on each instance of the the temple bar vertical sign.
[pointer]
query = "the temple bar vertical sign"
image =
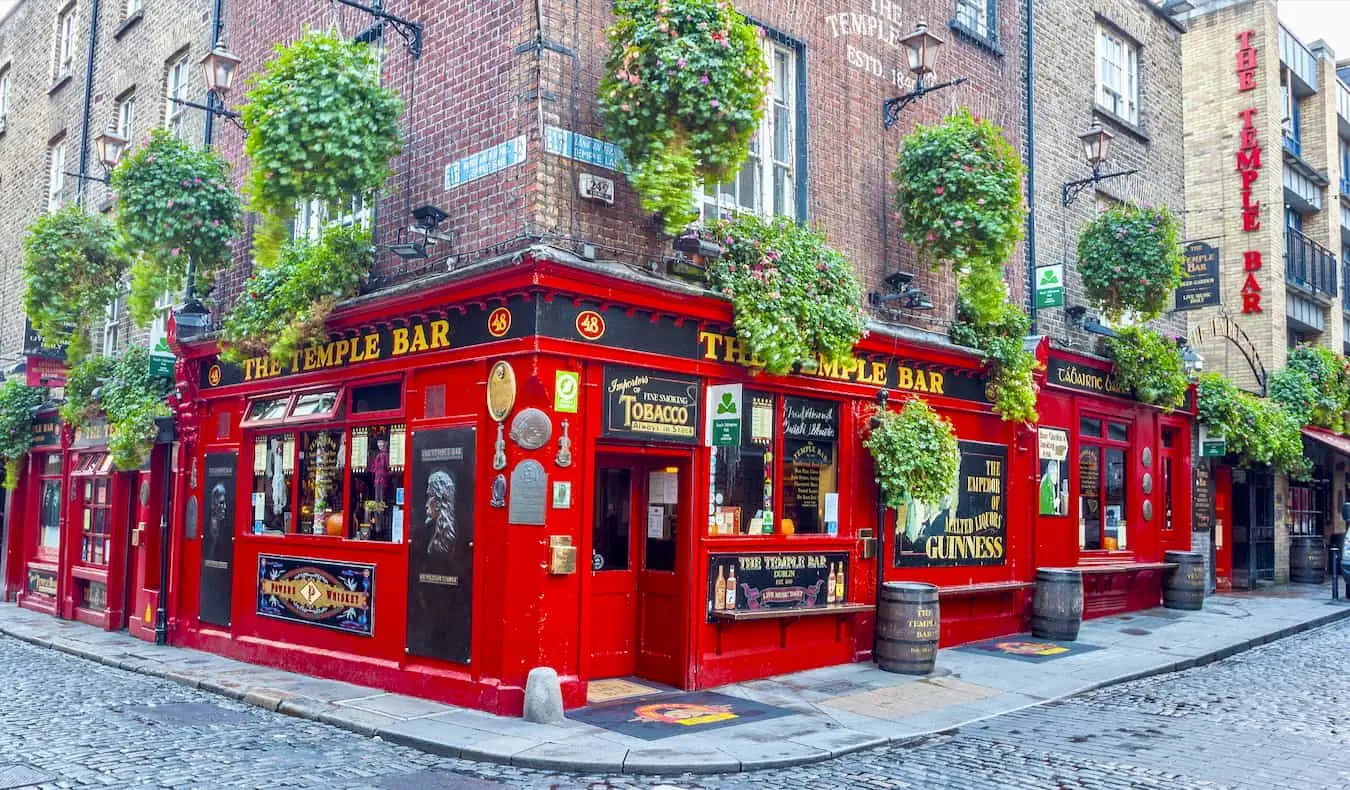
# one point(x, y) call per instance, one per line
point(1249, 169)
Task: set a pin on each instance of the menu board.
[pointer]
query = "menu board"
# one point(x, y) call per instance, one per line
point(755, 582)
point(1203, 509)
point(967, 526)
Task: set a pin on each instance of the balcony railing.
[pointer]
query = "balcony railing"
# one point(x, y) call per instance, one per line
point(1298, 58)
point(1345, 186)
point(1292, 144)
point(1309, 264)
point(1345, 285)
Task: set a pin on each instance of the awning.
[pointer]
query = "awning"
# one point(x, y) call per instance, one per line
point(1335, 441)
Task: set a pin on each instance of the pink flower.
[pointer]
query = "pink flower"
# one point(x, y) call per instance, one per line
point(170, 204)
point(681, 62)
point(215, 222)
point(959, 223)
point(174, 252)
point(940, 190)
point(704, 79)
point(623, 107)
point(931, 236)
point(714, 104)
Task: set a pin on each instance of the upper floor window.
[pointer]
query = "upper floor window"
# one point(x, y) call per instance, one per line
point(175, 86)
point(65, 41)
point(1117, 74)
point(976, 17)
point(133, 6)
point(56, 174)
point(1290, 122)
point(769, 183)
point(126, 115)
point(112, 324)
point(313, 216)
point(4, 97)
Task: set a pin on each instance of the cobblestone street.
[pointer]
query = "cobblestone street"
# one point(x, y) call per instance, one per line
point(1271, 717)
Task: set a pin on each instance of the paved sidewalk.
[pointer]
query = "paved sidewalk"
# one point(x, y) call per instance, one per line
point(821, 713)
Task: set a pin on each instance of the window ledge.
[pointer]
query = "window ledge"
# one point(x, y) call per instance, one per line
point(60, 83)
point(1133, 130)
point(986, 43)
point(128, 24)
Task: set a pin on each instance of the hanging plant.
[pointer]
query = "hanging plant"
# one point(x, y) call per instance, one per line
point(1149, 364)
point(795, 298)
point(915, 453)
point(174, 205)
point(987, 321)
point(17, 404)
point(1256, 430)
point(683, 91)
point(71, 272)
point(284, 306)
point(133, 399)
point(320, 127)
point(80, 408)
point(1315, 387)
point(1130, 260)
point(959, 192)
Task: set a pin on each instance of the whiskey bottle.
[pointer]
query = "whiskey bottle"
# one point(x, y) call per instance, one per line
point(839, 587)
point(720, 591)
point(829, 586)
point(731, 588)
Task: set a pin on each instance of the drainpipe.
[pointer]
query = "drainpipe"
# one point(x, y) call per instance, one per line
point(88, 103)
point(1031, 167)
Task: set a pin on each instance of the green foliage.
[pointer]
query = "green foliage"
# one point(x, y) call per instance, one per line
point(320, 127)
point(17, 402)
point(1130, 260)
point(284, 306)
point(132, 399)
point(683, 91)
point(1315, 386)
point(80, 407)
point(174, 204)
point(915, 452)
point(795, 298)
point(1256, 430)
point(987, 321)
point(959, 191)
point(71, 271)
point(1149, 365)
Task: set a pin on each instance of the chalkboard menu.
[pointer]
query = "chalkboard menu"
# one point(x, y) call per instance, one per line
point(753, 582)
point(1203, 510)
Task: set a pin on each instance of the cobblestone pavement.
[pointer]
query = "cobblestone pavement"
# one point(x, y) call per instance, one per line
point(1274, 717)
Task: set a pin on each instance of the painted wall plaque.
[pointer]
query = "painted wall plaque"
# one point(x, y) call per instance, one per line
point(440, 547)
point(217, 572)
point(531, 429)
point(336, 595)
point(190, 522)
point(501, 390)
point(752, 582)
point(967, 527)
point(528, 495)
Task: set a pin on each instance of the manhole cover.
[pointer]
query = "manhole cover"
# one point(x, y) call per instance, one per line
point(186, 714)
point(1135, 631)
point(12, 776)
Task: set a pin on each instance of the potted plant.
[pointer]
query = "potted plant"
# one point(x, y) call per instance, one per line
point(1149, 364)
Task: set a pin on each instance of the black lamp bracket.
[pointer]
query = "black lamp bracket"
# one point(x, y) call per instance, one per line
point(890, 109)
point(86, 177)
point(409, 30)
point(1072, 189)
point(214, 109)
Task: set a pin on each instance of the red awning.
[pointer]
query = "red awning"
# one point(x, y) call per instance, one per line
point(1335, 441)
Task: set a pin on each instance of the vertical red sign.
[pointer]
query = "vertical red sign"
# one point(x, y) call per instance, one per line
point(1249, 168)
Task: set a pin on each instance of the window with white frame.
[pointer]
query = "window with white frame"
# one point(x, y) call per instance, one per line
point(973, 16)
point(767, 183)
point(65, 41)
point(56, 174)
point(175, 87)
point(4, 97)
point(1117, 74)
point(112, 324)
point(313, 216)
point(159, 326)
point(132, 7)
point(126, 115)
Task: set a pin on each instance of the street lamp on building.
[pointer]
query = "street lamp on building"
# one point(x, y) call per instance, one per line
point(218, 69)
point(921, 48)
point(1096, 143)
point(108, 147)
point(1192, 361)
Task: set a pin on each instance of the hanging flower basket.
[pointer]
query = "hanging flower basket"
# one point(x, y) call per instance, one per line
point(915, 453)
point(17, 403)
point(1149, 364)
point(683, 91)
point(1130, 260)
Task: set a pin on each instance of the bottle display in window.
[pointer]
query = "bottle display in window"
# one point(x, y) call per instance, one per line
point(377, 482)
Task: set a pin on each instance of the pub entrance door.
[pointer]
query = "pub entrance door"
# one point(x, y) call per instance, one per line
point(1253, 508)
point(639, 530)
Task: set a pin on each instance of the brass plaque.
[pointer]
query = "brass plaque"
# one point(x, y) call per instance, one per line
point(527, 498)
point(531, 429)
point(562, 555)
point(501, 390)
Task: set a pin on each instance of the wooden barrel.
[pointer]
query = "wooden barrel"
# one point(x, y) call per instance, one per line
point(1184, 585)
point(1307, 560)
point(907, 628)
point(1057, 607)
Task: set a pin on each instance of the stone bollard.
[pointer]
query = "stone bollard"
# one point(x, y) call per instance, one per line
point(543, 696)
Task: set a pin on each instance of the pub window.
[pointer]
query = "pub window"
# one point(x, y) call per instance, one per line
point(743, 482)
point(315, 406)
point(810, 466)
point(377, 397)
point(376, 482)
point(609, 532)
point(1102, 477)
point(273, 473)
point(263, 411)
point(321, 465)
point(1166, 473)
point(49, 516)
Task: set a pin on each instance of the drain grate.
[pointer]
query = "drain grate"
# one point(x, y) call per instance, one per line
point(14, 776)
point(186, 714)
point(1135, 631)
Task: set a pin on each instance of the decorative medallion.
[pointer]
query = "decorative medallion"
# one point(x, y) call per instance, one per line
point(531, 429)
point(501, 390)
point(499, 491)
point(499, 322)
point(590, 325)
point(1147, 456)
point(1147, 483)
point(1148, 510)
point(190, 525)
point(145, 492)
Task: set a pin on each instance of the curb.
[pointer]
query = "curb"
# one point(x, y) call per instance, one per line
point(325, 713)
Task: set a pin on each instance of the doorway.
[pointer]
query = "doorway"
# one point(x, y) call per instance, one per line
point(1253, 507)
point(640, 522)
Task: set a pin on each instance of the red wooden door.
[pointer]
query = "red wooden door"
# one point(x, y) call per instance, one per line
point(1223, 527)
point(640, 519)
point(1173, 485)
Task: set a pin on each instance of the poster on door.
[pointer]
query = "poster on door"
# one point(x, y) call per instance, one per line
point(1054, 455)
point(966, 527)
point(440, 544)
point(217, 574)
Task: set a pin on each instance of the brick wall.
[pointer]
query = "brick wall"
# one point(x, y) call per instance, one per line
point(1066, 105)
point(129, 61)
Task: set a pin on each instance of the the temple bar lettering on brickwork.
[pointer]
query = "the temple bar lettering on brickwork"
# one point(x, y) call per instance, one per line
point(1249, 169)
